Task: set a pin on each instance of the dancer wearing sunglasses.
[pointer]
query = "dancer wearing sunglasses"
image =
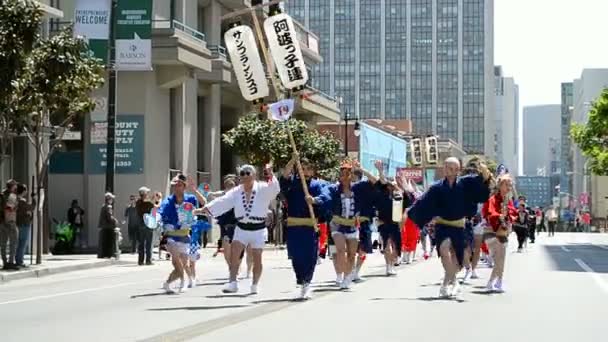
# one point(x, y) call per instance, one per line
point(250, 201)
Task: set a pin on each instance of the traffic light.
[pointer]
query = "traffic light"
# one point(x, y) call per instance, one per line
point(432, 153)
point(416, 151)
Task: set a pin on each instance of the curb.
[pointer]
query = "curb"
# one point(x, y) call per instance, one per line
point(46, 271)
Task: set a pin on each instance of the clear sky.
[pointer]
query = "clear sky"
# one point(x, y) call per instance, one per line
point(542, 43)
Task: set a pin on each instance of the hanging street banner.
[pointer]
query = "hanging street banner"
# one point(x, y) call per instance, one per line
point(246, 62)
point(130, 135)
point(415, 176)
point(282, 110)
point(375, 144)
point(92, 22)
point(285, 50)
point(134, 35)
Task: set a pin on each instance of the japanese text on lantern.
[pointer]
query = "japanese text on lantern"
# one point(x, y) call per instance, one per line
point(244, 60)
point(285, 40)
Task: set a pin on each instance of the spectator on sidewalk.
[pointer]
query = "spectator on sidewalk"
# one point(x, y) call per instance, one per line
point(107, 226)
point(551, 216)
point(9, 232)
point(133, 221)
point(25, 215)
point(144, 206)
point(76, 220)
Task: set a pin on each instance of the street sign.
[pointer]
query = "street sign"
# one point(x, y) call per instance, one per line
point(246, 62)
point(92, 22)
point(134, 35)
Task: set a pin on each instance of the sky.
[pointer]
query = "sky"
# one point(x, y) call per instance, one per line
point(542, 43)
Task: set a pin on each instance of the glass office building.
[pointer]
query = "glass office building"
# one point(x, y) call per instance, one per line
point(430, 61)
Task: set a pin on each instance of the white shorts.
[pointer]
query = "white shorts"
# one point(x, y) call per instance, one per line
point(347, 236)
point(181, 247)
point(478, 229)
point(254, 238)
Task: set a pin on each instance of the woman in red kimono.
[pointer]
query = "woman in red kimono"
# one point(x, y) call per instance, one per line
point(499, 212)
point(410, 234)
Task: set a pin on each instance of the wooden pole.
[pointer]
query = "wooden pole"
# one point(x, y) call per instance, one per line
point(277, 91)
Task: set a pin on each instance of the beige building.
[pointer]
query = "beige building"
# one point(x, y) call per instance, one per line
point(170, 118)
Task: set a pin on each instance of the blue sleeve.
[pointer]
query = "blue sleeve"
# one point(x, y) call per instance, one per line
point(322, 194)
point(476, 189)
point(165, 211)
point(424, 209)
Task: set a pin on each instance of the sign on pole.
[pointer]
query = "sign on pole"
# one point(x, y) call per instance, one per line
point(285, 50)
point(134, 35)
point(246, 62)
point(130, 134)
point(92, 22)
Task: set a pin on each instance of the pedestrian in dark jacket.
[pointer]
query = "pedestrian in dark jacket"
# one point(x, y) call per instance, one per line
point(25, 215)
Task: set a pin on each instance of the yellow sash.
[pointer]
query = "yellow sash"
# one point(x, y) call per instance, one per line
point(349, 222)
point(301, 221)
point(179, 232)
point(452, 223)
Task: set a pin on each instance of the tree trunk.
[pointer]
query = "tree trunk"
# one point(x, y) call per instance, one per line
point(39, 196)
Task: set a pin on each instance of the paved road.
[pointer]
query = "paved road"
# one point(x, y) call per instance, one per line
point(557, 291)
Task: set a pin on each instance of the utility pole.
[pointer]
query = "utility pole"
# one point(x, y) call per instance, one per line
point(111, 120)
point(346, 132)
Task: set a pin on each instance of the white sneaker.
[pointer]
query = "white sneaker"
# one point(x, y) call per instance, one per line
point(231, 287)
point(254, 289)
point(182, 288)
point(306, 292)
point(355, 278)
point(490, 286)
point(474, 275)
point(388, 270)
point(191, 283)
point(339, 280)
point(392, 271)
point(168, 288)
point(444, 292)
point(455, 290)
point(467, 274)
point(498, 286)
point(346, 283)
point(319, 261)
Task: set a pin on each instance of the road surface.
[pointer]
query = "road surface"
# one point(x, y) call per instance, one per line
point(556, 291)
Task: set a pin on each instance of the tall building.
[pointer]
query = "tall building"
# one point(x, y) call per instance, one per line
point(506, 116)
point(565, 179)
point(429, 61)
point(595, 188)
point(540, 124)
point(536, 189)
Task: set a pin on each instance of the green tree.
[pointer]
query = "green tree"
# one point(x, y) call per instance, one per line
point(48, 86)
point(258, 141)
point(592, 137)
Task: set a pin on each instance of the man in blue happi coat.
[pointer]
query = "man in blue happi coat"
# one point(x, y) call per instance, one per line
point(302, 237)
point(448, 202)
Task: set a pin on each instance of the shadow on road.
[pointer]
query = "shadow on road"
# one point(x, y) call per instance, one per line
point(219, 296)
point(424, 299)
point(278, 300)
point(154, 294)
point(217, 283)
point(484, 293)
point(196, 308)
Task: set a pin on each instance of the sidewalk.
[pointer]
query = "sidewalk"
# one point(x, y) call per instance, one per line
point(55, 264)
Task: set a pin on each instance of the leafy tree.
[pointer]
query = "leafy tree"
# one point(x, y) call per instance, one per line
point(592, 137)
point(48, 86)
point(258, 141)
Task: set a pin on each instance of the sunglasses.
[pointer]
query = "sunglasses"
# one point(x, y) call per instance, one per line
point(245, 173)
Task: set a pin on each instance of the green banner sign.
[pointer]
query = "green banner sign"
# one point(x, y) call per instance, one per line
point(133, 35)
point(130, 135)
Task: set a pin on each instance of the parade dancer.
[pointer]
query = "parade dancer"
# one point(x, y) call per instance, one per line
point(500, 213)
point(448, 202)
point(226, 221)
point(388, 192)
point(410, 236)
point(478, 228)
point(302, 237)
point(250, 201)
point(353, 208)
point(176, 230)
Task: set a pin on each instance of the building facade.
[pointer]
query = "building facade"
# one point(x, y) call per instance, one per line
point(565, 182)
point(172, 117)
point(506, 116)
point(428, 61)
point(590, 190)
point(536, 189)
point(541, 125)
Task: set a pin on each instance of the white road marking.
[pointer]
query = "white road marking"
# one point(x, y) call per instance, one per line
point(565, 249)
point(598, 280)
point(62, 294)
point(602, 246)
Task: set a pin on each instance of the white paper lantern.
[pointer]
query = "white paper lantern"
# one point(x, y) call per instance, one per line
point(246, 62)
point(285, 50)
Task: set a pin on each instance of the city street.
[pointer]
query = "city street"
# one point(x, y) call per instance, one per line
point(556, 291)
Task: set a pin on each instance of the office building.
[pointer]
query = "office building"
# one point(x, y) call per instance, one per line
point(541, 125)
point(591, 191)
point(175, 113)
point(536, 189)
point(507, 114)
point(428, 61)
point(565, 182)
